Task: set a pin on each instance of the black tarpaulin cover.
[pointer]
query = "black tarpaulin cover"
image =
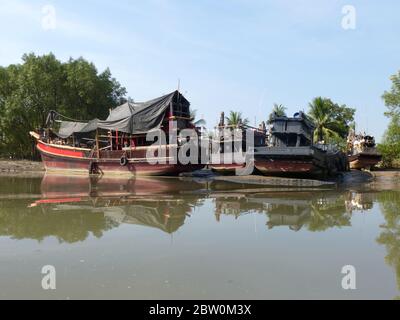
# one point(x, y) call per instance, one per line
point(136, 118)
point(133, 118)
point(68, 128)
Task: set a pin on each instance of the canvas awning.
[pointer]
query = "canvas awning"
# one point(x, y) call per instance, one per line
point(133, 118)
point(68, 128)
point(136, 118)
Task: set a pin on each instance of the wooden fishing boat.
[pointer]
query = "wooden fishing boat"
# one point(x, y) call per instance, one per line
point(362, 151)
point(291, 151)
point(230, 146)
point(118, 145)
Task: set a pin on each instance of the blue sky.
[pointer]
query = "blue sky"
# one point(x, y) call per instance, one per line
point(236, 54)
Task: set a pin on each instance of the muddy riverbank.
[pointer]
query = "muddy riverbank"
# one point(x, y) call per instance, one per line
point(21, 167)
point(385, 178)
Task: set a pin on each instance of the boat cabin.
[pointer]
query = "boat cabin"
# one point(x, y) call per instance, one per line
point(291, 132)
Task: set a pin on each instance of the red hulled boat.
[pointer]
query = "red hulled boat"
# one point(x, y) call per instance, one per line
point(119, 145)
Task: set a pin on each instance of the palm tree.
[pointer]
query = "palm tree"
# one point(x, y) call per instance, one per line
point(279, 110)
point(326, 126)
point(235, 119)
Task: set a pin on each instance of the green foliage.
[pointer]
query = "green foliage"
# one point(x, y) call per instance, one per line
point(235, 119)
point(392, 97)
point(28, 91)
point(390, 146)
point(279, 110)
point(332, 121)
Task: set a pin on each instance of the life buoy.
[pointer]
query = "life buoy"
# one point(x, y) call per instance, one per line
point(123, 161)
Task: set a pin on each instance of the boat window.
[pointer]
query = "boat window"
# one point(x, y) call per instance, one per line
point(292, 140)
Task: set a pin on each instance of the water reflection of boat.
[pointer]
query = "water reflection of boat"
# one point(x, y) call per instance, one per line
point(76, 207)
point(360, 201)
point(316, 211)
point(162, 203)
point(58, 186)
point(167, 216)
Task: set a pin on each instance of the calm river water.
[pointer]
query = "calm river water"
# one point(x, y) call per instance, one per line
point(179, 239)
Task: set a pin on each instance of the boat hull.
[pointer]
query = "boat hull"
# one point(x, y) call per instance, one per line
point(227, 169)
point(285, 166)
point(226, 164)
point(79, 161)
point(299, 161)
point(364, 160)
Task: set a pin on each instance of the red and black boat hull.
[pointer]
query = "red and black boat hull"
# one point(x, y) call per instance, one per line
point(282, 166)
point(75, 160)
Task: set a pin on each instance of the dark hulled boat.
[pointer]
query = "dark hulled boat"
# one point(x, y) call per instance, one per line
point(291, 151)
point(118, 145)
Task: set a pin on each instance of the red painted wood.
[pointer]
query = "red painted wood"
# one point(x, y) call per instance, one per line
point(59, 151)
point(283, 166)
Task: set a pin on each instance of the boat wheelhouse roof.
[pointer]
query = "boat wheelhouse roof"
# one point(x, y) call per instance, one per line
point(132, 118)
point(299, 124)
point(141, 108)
point(68, 128)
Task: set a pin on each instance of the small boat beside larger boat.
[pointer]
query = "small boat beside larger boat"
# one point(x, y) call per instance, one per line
point(362, 151)
point(231, 144)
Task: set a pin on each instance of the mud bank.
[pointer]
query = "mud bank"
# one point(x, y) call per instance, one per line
point(21, 167)
point(345, 179)
point(385, 179)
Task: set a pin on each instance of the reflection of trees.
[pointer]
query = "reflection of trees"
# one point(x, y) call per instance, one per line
point(390, 235)
point(234, 206)
point(18, 185)
point(37, 223)
point(327, 213)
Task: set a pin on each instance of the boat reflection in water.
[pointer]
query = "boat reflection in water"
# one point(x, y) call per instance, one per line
point(104, 218)
point(73, 207)
point(149, 202)
point(316, 210)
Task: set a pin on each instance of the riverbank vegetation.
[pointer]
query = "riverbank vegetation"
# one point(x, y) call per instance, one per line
point(332, 121)
point(28, 91)
point(390, 146)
